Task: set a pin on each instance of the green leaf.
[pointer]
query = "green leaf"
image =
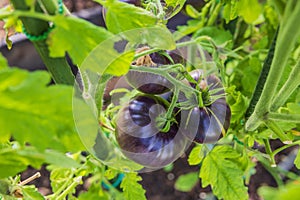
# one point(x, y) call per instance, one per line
point(75, 36)
point(230, 11)
point(16, 159)
point(297, 160)
point(224, 176)
point(196, 155)
point(111, 173)
point(111, 57)
point(92, 194)
point(60, 160)
point(59, 177)
point(191, 27)
point(96, 192)
point(251, 74)
point(237, 102)
point(154, 37)
point(122, 16)
point(192, 12)
point(31, 192)
point(186, 182)
point(3, 62)
point(293, 108)
point(173, 7)
point(284, 126)
point(289, 191)
point(4, 187)
point(121, 65)
point(112, 61)
point(13, 161)
point(219, 36)
point(35, 113)
point(169, 167)
point(249, 10)
point(131, 188)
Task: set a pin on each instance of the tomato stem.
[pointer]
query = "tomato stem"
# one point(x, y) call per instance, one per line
point(271, 170)
point(145, 52)
point(278, 150)
point(162, 71)
point(168, 115)
point(76, 181)
point(194, 41)
point(269, 152)
point(214, 14)
point(100, 92)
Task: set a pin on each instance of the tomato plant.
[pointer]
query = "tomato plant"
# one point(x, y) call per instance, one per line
point(220, 89)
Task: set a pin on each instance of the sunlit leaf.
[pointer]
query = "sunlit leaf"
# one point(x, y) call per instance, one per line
point(65, 38)
point(173, 7)
point(196, 155)
point(121, 16)
point(35, 113)
point(289, 191)
point(131, 188)
point(223, 174)
point(249, 10)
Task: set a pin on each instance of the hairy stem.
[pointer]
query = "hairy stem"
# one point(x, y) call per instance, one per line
point(271, 170)
point(100, 92)
point(70, 188)
point(294, 118)
point(282, 51)
point(288, 88)
point(214, 15)
point(269, 152)
point(262, 78)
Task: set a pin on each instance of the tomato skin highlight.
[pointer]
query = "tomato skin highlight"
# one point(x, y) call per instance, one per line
point(141, 140)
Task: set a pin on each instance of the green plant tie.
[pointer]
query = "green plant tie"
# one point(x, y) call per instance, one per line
point(45, 34)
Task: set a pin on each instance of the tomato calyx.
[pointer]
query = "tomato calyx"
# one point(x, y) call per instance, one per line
point(144, 60)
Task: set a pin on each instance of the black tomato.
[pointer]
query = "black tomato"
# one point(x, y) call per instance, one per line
point(150, 83)
point(140, 138)
point(209, 123)
point(134, 2)
point(146, 82)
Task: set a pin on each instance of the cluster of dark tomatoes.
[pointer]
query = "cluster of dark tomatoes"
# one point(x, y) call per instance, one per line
point(139, 131)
